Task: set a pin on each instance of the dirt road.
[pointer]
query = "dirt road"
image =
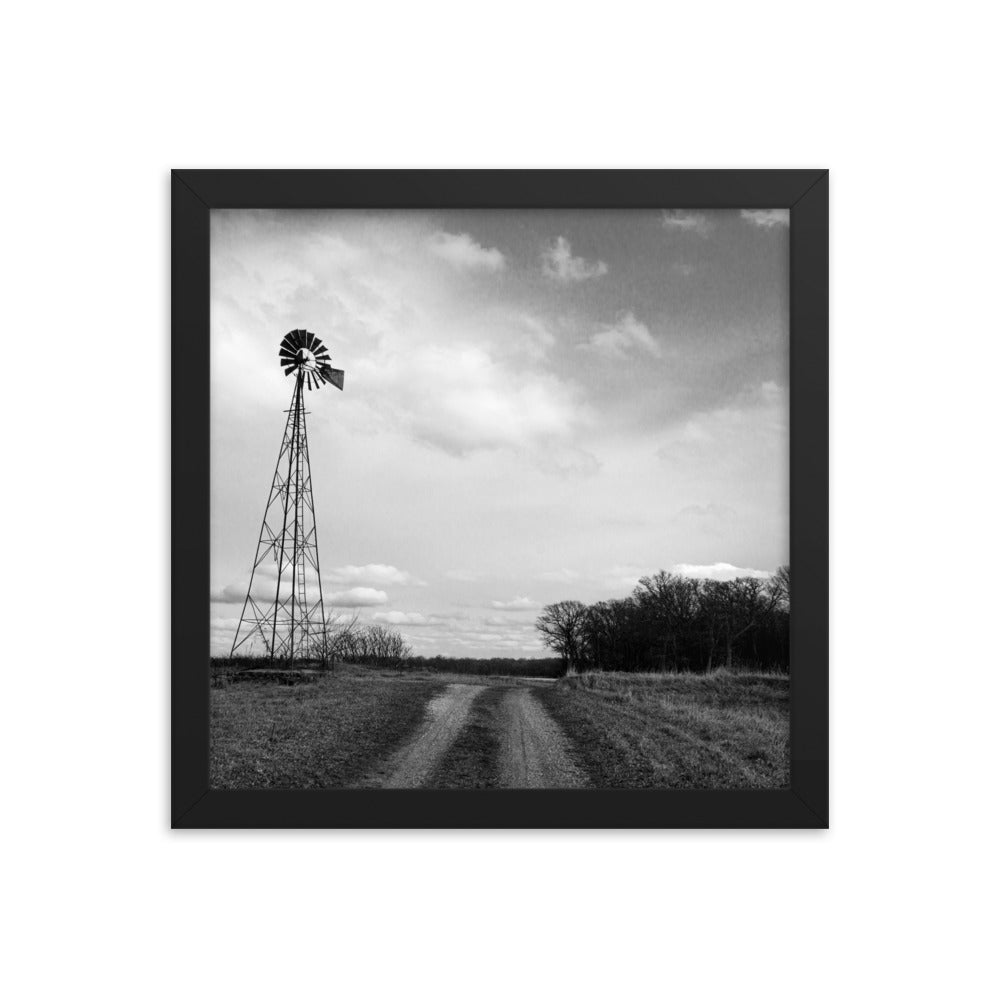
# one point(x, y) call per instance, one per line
point(446, 714)
point(528, 748)
point(534, 749)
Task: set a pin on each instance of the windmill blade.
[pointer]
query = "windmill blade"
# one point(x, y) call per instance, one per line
point(314, 372)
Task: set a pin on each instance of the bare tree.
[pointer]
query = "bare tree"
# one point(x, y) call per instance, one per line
point(735, 607)
point(781, 585)
point(671, 606)
point(375, 645)
point(337, 641)
point(561, 626)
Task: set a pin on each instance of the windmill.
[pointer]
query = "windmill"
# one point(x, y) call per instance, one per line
point(283, 609)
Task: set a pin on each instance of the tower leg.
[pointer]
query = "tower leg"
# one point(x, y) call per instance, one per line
point(291, 625)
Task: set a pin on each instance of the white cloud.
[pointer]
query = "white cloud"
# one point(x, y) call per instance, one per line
point(231, 593)
point(358, 597)
point(558, 262)
point(718, 571)
point(686, 222)
point(460, 398)
point(767, 218)
point(510, 624)
point(265, 581)
point(362, 594)
point(517, 604)
point(374, 574)
point(463, 252)
point(534, 340)
point(622, 339)
point(404, 618)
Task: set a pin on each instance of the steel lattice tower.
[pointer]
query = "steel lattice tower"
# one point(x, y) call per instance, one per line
point(283, 611)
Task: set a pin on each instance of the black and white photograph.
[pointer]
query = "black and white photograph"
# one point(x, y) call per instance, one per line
point(500, 499)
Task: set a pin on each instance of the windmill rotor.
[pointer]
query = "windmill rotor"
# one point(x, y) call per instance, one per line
point(304, 354)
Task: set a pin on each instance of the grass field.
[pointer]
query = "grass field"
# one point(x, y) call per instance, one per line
point(717, 730)
point(323, 734)
point(334, 729)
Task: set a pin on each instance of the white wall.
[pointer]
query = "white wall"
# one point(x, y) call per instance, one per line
point(102, 99)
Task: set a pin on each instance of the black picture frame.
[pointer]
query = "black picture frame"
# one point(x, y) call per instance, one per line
point(194, 193)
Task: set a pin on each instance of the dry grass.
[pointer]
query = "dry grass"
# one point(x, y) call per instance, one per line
point(718, 730)
point(325, 734)
point(472, 761)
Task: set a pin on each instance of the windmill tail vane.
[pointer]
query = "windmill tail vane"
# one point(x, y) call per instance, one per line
point(283, 613)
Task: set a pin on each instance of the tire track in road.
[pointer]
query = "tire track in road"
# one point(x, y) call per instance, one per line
point(446, 714)
point(534, 751)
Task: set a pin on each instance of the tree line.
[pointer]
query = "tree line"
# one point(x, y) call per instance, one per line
point(354, 642)
point(674, 623)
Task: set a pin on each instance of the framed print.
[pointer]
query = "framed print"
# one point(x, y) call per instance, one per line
point(487, 487)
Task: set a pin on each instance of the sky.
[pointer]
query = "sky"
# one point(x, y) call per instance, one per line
point(538, 406)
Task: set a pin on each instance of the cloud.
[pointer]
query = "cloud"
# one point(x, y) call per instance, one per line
point(511, 625)
point(686, 222)
point(265, 581)
point(231, 593)
point(718, 571)
point(517, 604)
point(460, 398)
point(766, 218)
point(463, 252)
point(534, 340)
point(404, 618)
point(358, 597)
point(362, 594)
point(625, 337)
point(374, 574)
point(559, 263)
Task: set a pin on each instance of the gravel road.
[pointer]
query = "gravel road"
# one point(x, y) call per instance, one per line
point(446, 714)
point(534, 750)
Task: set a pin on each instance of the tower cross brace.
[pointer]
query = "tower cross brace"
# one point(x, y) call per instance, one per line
point(283, 613)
